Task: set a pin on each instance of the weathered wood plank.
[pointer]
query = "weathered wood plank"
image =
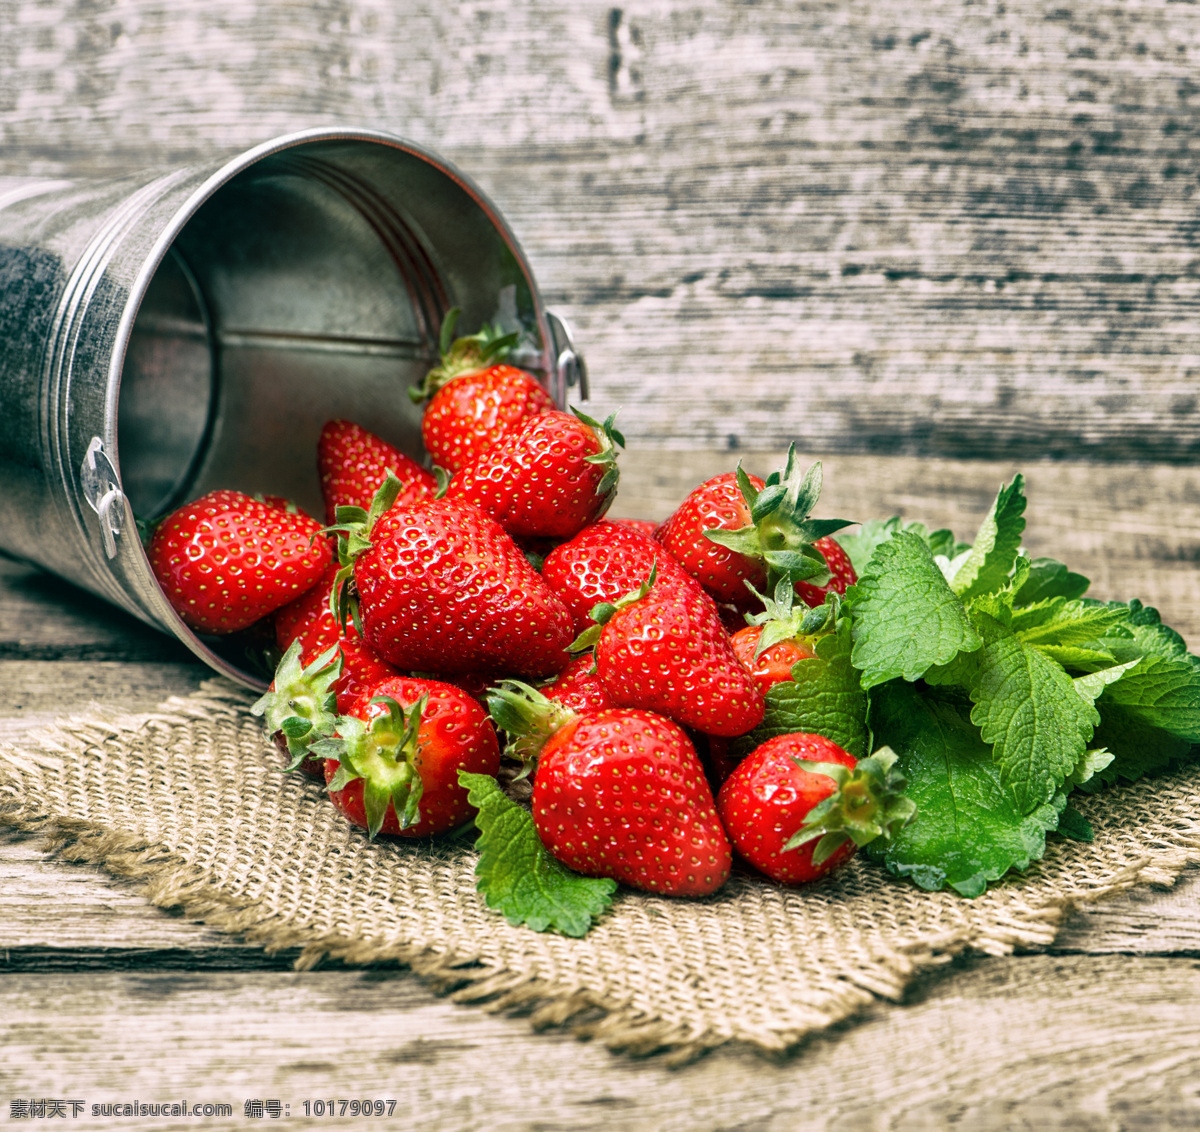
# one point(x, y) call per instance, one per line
point(978, 1049)
point(51, 688)
point(949, 230)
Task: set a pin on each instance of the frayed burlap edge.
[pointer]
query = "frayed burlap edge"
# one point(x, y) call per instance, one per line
point(168, 881)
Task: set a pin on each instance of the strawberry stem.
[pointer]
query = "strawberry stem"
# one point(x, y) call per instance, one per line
point(301, 704)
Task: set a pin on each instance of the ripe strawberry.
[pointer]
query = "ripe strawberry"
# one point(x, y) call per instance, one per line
point(474, 398)
point(776, 541)
point(548, 477)
point(841, 572)
point(799, 806)
point(393, 767)
point(716, 503)
point(353, 463)
point(441, 588)
point(310, 620)
point(618, 793)
point(602, 563)
point(667, 652)
point(226, 560)
point(579, 687)
point(773, 665)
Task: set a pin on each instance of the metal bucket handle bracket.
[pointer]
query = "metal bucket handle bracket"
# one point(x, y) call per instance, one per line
point(102, 490)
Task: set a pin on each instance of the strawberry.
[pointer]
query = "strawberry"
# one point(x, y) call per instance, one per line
point(353, 463)
point(474, 398)
point(665, 650)
point(579, 687)
point(841, 573)
point(799, 806)
point(441, 588)
point(393, 766)
point(773, 665)
point(310, 620)
point(602, 563)
point(717, 503)
point(619, 793)
point(226, 560)
point(777, 538)
point(548, 477)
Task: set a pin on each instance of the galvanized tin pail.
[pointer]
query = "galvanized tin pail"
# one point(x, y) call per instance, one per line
point(166, 334)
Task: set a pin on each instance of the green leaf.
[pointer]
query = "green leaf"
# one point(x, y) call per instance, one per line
point(1140, 632)
point(1160, 693)
point(1027, 707)
point(968, 830)
point(1057, 621)
point(1072, 824)
point(824, 696)
point(986, 568)
point(906, 619)
point(860, 545)
point(1050, 578)
point(516, 874)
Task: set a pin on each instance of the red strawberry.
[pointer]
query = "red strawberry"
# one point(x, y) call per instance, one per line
point(579, 687)
point(441, 588)
point(353, 464)
point(777, 539)
point(310, 620)
point(796, 823)
point(602, 563)
point(474, 398)
point(227, 560)
point(548, 477)
point(618, 793)
point(774, 664)
point(842, 574)
point(716, 504)
point(667, 652)
point(394, 766)
point(622, 794)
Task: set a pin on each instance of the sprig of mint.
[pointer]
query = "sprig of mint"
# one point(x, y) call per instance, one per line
point(516, 874)
point(1004, 688)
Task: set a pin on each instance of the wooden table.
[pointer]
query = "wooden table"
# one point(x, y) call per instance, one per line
point(933, 243)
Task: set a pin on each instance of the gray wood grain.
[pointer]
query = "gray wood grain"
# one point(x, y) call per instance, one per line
point(953, 230)
point(976, 1047)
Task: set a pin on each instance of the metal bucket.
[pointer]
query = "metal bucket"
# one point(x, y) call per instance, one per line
point(167, 334)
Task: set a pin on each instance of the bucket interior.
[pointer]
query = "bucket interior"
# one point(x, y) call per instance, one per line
point(310, 286)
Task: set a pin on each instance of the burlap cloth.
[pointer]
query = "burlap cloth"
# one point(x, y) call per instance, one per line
point(189, 802)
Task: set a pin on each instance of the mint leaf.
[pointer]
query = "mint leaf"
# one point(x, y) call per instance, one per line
point(1159, 693)
point(861, 545)
point(824, 696)
point(518, 877)
point(1027, 707)
point(906, 618)
point(1072, 824)
point(987, 567)
point(968, 829)
point(1050, 578)
point(1057, 621)
point(1140, 632)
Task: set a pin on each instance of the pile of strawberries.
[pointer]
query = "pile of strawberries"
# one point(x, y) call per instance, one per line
point(437, 611)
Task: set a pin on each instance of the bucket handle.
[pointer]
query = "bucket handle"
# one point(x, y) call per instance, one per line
point(102, 490)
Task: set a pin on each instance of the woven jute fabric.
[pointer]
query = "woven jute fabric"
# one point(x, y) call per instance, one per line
point(189, 802)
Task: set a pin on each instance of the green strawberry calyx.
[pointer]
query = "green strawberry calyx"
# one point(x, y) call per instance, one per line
point(528, 718)
point(869, 802)
point(783, 620)
point(383, 754)
point(464, 355)
point(610, 440)
point(780, 532)
point(301, 704)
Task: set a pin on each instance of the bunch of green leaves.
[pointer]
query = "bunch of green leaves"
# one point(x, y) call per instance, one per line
point(1002, 688)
